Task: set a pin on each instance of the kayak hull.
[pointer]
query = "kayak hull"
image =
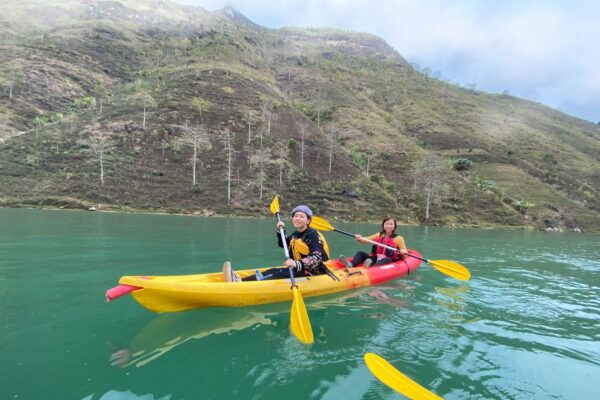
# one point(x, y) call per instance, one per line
point(184, 292)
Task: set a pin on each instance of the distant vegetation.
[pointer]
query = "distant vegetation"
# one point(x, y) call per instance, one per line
point(153, 106)
point(462, 164)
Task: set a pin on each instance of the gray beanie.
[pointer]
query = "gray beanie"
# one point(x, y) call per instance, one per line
point(304, 209)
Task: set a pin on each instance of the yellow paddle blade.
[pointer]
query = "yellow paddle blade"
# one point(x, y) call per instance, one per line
point(275, 205)
point(320, 224)
point(300, 324)
point(386, 373)
point(451, 268)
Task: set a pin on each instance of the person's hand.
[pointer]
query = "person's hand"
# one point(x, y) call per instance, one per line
point(402, 251)
point(290, 263)
point(359, 238)
point(279, 225)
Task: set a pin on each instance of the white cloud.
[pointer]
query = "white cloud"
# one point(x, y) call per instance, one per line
point(541, 50)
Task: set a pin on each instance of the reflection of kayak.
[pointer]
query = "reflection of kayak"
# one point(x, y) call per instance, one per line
point(184, 292)
point(167, 331)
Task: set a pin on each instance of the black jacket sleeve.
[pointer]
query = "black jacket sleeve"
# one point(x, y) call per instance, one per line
point(287, 239)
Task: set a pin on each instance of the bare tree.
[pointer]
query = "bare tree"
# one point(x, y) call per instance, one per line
point(229, 151)
point(141, 93)
point(267, 113)
point(262, 157)
point(302, 136)
point(330, 148)
point(199, 104)
point(147, 102)
point(290, 86)
point(431, 175)
point(100, 92)
point(318, 105)
point(39, 121)
point(281, 161)
point(10, 75)
point(32, 160)
point(265, 53)
point(98, 144)
point(37, 124)
point(195, 156)
point(198, 139)
point(249, 116)
point(145, 105)
point(369, 152)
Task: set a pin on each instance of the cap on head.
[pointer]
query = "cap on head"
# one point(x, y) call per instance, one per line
point(304, 209)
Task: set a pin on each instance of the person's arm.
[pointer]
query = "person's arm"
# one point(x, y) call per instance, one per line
point(361, 239)
point(287, 239)
point(399, 240)
point(279, 225)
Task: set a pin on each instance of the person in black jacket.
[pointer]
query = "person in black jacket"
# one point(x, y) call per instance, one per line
point(308, 248)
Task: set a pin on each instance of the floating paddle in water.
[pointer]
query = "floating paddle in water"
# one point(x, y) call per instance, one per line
point(388, 374)
point(299, 322)
point(448, 267)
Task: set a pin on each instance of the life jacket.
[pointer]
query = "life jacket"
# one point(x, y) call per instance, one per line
point(299, 248)
point(381, 252)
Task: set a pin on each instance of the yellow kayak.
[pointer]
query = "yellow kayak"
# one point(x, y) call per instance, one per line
point(184, 292)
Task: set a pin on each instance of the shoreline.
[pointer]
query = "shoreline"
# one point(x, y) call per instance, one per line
point(210, 214)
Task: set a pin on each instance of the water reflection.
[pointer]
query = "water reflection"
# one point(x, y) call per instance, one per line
point(164, 332)
point(452, 297)
point(452, 303)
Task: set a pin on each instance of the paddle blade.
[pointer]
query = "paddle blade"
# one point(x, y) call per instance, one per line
point(275, 205)
point(451, 268)
point(300, 324)
point(386, 373)
point(320, 224)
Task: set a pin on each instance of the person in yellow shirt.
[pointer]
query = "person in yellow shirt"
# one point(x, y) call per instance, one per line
point(379, 255)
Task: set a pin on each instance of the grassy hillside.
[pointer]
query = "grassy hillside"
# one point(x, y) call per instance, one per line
point(102, 103)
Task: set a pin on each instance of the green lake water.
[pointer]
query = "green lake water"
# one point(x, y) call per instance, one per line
point(527, 326)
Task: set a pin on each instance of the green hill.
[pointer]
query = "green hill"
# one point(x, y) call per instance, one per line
point(105, 103)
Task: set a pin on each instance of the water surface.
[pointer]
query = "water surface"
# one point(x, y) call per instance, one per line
point(526, 326)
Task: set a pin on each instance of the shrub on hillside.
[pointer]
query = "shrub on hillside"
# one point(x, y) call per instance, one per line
point(462, 164)
point(522, 205)
point(83, 103)
point(485, 184)
point(357, 158)
point(292, 144)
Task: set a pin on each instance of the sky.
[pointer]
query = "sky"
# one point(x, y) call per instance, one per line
point(546, 51)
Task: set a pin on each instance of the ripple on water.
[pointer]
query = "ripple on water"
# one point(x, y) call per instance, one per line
point(126, 395)
point(502, 370)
